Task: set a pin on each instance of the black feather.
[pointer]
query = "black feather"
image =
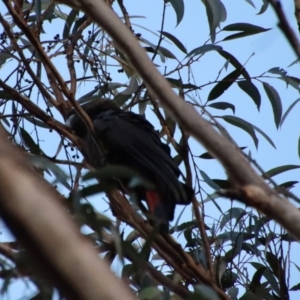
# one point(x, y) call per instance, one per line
point(130, 140)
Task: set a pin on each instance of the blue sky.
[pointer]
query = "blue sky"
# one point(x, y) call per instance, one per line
point(270, 50)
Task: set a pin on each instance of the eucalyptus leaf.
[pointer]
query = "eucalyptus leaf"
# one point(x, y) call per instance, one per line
point(29, 142)
point(289, 110)
point(275, 102)
point(264, 135)
point(46, 164)
point(69, 22)
point(251, 90)
point(263, 7)
point(210, 182)
point(233, 61)
point(216, 13)
point(223, 106)
point(178, 6)
point(281, 169)
point(246, 126)
point(204, 49)
point(245, 29)
point(175, 41)
point(224, 84)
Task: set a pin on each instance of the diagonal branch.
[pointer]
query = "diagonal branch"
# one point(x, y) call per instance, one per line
point(166, 247)
point(284, 24)
point(57, 249)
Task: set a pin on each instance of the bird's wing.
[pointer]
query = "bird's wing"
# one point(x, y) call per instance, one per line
point(135, 138)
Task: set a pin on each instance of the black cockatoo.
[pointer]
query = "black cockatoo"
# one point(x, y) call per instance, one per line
point(130, 140)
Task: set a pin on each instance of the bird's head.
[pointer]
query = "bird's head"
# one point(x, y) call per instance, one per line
point(93, 109)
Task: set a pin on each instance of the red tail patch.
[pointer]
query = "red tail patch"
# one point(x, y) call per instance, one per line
point(152, 200)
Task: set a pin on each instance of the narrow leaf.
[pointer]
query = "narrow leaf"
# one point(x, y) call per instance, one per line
point(288, 185)
point(69, 21)
point(294, 62)
point(278, 71)
point(29, 142)
point(275, 102)
point(204, 49)
point(289, 110)
point(264, 135)
point(178, 6)
point(251, 90)
point(275, 264)
point(61, 143)
point(295, 287)
point(223, 85)
point(272, 281)
point(78, 23)
point(223, 106)
point(175, 41)
point(232, 60)
point(45, 164)
point(292, 81)
point(250, 2)
point(216, 13)
point(245, 27)
point(264, 7)
point(132, 86)
point(209, 181)
point(164, 51)
point(236, 36)
point(179, 84)
point(245, 30)
point(233, 213)
point(38, 10)
point(246, 126)
point(281, 169)
point(257, 277)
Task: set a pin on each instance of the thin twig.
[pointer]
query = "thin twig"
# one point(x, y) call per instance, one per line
point(285, 27)
point(125, 14)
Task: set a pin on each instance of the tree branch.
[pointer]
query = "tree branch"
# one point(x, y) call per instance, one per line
point(285, 27)
point(58, 251)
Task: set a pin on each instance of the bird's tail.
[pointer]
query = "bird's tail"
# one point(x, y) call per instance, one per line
point(160, 211)
point(188, 194)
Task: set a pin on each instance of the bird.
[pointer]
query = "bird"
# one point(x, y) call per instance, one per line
point(131, 141)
